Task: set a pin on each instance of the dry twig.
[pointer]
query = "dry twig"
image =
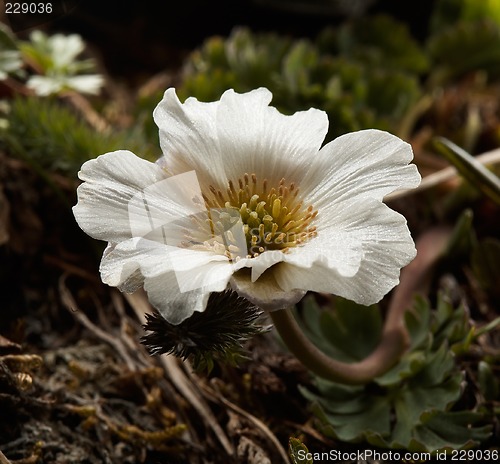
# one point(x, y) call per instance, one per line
point(70, 304)
point(444, 175)
point(175, 374)
point(216, 396)
point(3, 459)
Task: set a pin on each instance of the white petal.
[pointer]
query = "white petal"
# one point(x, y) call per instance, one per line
point(117, 272)
point(188, 137)
point(165, 210)
point(44, 86)
point(368, 163)
point(238, 134)
point(122, 261)
point(89, 83)
point(334, 248)
point(257, 138)
point(261, 263)
point(176, 305)
point(265, 292)
point(178, 281)
point(106, 208)
point(65, 48)
point(386, 245)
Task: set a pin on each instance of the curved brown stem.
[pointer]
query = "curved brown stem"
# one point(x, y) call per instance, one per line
point(393, 344)
point(395, 338)
point(83, 106)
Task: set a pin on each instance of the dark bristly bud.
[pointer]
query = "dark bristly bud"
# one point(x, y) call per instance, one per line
point(217, 333)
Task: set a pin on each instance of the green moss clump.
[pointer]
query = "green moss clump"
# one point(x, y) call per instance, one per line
point(51, 136)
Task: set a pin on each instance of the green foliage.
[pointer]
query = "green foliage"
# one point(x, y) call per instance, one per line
point(353, 76)
point(449, 326)
point(474, 172)
point(244, 61)
point(449, 12)
point(483, 256)
point(365, 73)
point(50, 136)
point(485, 260)
point(465, 47)
point(465, 37)
point(339, 332)
point(376, 41)
point(489, 384)
point(463, 238)
point(410, 406)
point(254, 61)
point(294, 446)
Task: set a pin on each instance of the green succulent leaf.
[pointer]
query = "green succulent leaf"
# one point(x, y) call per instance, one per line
point(449, 324)
point(412, 415)
point(450, 431)
point(349, 414)
point(417, 320)
point(463, 238)
point(489, 384)
point(409, 406)
point(471, 169)
point(349, 332)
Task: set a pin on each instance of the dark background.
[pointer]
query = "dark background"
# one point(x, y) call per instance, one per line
point(153, 35)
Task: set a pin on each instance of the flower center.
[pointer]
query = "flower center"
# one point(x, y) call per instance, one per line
point(273, 219)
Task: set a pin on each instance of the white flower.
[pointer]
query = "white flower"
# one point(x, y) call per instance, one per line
point(56, 58)
point(284, 215)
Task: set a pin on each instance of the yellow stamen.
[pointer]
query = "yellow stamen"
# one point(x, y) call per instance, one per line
point(273, 218)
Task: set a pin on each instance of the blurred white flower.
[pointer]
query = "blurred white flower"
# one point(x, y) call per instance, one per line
point(56, 59)
point(246, 197)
